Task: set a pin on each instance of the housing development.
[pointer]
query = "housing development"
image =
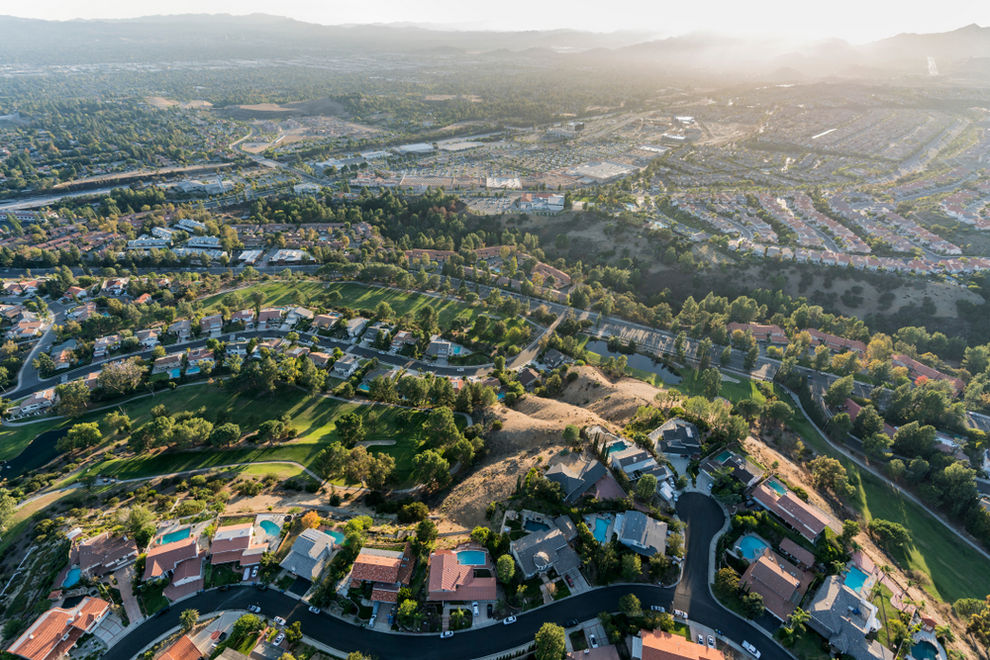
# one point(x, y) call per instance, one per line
point(322, 343)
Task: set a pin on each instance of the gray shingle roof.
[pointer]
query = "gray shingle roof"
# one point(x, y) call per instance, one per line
point(308, 554)
point(643, 534)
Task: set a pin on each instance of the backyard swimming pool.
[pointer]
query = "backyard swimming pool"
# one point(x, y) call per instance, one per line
point(177, 535)
point(616, 446)
point(471, 557)
point(855, 578)
point(601, 529)
point(271, 528)
point(72, 579)
point(338, 537)
point(750, 546)
point(924, 650)
point(777, 487)
point(533, 526)
point(724, 456)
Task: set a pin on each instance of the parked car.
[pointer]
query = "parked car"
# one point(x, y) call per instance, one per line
point(592, 640)
point(254, 571)
point(711, 641)
point(752, 649)
point(680, 613)
point(490, 609)
point(314, 609)
point(279, 621)
point(254, 608)
point(570, 623)
point(371, 621)
point(657, 608)
point(446, 633)
point(279, 638)
point(474, 606)
point(508, 620)
point(570, 582)
point(701, 639)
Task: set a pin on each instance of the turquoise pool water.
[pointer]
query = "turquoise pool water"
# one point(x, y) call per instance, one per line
point(751, 547)
point(177, 535)
point(924, 650)
point(723, 457)
point(616, 446)
point(271, 528)
point(471, 557)
point(777, 487)
point(533, 526)
point(338, 537)
point(601, 529)
point(855, 578)
point(72, 579)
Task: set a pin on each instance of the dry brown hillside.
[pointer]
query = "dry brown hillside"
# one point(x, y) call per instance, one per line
point(614, 401)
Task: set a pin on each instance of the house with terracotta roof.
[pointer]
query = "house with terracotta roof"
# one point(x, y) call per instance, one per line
point(235, 543)
point(659, 645)
point(245, 316)
point(187, 579)
point(165, 558)
point(325, 321)
point(451, 579)
point(804, 557)
point(182, 649)
point(807, 520)
point(834, 342)
point(211, 325)
point(387, 570)
point(768, 334)
point(56, 632)
point(778, 581)
point(309, 554)
point(103, 554)
point(270, 317)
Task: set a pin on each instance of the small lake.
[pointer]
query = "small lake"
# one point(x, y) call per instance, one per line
point(636, 361)
point(40, 452)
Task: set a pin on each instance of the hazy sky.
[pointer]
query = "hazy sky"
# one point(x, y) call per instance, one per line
point(855, 20)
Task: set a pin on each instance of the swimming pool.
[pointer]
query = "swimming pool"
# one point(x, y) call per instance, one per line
point(777, 487)
point(750, 546)
point(471, 557)
point(723, 457)
point(601, 530)
point(855, 578)
point(924, 650)
point(270, 528)
point(338, 537)
point(177, 535)
point(619, 445)
point(72, 578)
point(533, 526)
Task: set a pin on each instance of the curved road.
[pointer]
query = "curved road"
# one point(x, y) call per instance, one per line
point(704, 518)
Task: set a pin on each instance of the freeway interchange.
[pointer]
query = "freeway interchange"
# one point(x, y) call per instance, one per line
point(704, 518)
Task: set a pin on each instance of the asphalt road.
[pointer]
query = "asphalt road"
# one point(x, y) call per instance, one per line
point(704, 519)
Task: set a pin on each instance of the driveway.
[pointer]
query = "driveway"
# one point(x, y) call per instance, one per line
point(124, 578)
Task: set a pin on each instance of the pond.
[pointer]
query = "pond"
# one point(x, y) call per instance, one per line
point(40, 452)
point(636, 361)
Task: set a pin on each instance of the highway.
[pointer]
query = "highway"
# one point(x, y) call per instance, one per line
point(704, 518)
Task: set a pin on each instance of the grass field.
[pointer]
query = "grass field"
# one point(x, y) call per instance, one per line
point(13, 439)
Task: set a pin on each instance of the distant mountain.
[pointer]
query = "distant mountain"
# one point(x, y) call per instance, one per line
point(197, 37)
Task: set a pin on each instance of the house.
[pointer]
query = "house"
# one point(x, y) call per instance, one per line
point(211, 325)
point(63, 354)
point(768, 334)
point(835, 343)
point(163, 559)
point(42, 400)
point(355, 326)
point(55, 633)
point(319, 358)
point(235, 543)
point(807, 520)
point(438, 348)
point(576, 476)
point(299, 314)
point(635, 462)
point(919, 370)
point(309, 554)
point(641, 533)
point(143, 299)
point(245, 316)
point(182, 649)
point(676, 436)
point(187, 579)
point(845, 618)
point(554, 358)
point(325, 321)
point(742, 470)
point(238, 348)
point(270, 317)
point(104, 345)
point(103, 554)
point(778, 581)
point(115, 286)
point(538, 552)
point(168, 364)
point(181, 329)
point(26, 329)
point(804, 557)
point(199, 359)
point(452, 580)
point(528, 377)
point(76, 293)
point(148, 338)
point(659, 645)
point(345, 366)
point(387, 570)
point(83, 312)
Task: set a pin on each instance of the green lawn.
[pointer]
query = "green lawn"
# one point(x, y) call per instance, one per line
point(151, 598)
point(276, 293)
point(733, 391)
point(13, 439)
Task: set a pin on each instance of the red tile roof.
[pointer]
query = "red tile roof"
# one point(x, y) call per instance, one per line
point(163, 558)
point(807, 520)
point(776, 579)
point(57, 630)
point(451, 580)
point(664, 646)
point(183, 649)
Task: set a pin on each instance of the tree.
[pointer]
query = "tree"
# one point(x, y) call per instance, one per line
point(7, 507)
point(225, 434)
point(430, 468)
point(80, 436)
point(891, 536)
point(247, 624)
point(357, 655)
point(273, 430)
point(505, 568)
point(122, 377)
point(73, 398)
point(839, 391)
point(979, 624)
point(413, 512)
point(426, 531)
point(752, 603)
point(630, 605)
point(551, 642)
point(330, 461)
point(409, 613)
point(350, 426)
point(726, 583)
point(913, 439)
point(572, 434)
point(711, 382)
point(868, 422)
point(293, 634)
point(140, 525)
point(829, 473)
point(188, 619)
point(310, 520)
point(850, 528)
point(877, 445)
point(632, 567)
point(646, 487)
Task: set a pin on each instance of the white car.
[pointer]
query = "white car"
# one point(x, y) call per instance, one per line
point(446, 634)
point(254, 572)
point(314, 609)
point(752, 649)
point(474, 606)
point(279, 638)
point(508, 620)
point(254, 608)
point(593, 641)
point(279, 621)
point(657, 608)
